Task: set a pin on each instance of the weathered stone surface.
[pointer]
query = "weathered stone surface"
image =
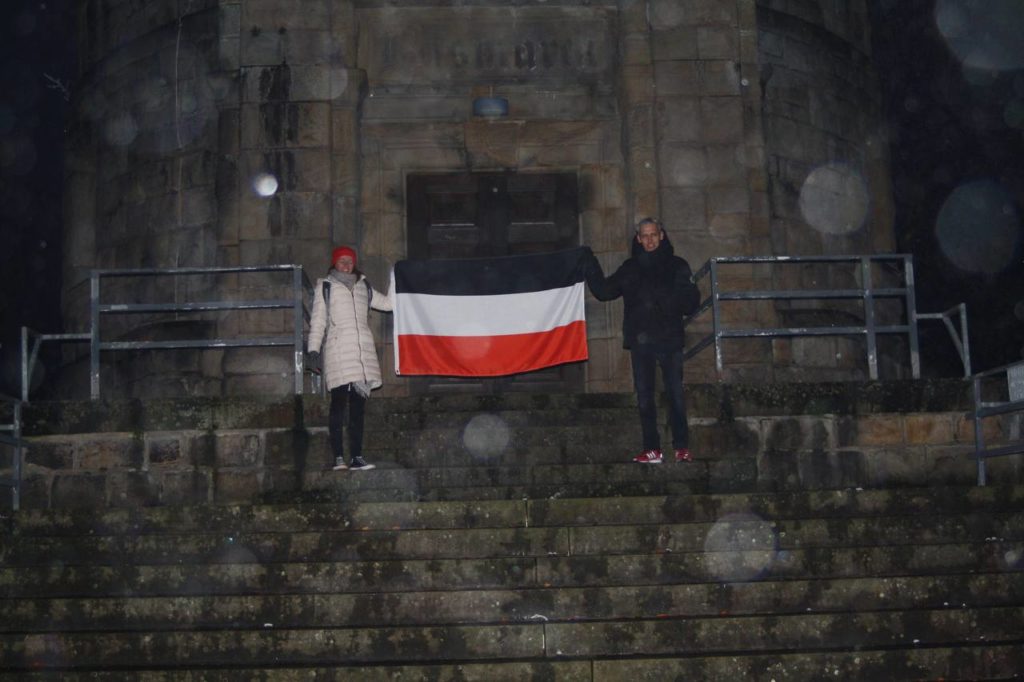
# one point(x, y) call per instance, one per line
point(164, 451)
point(727, 634)
point(133, 489)
point(187, 487)
point(50, 454)
point(85, 491)
point(802, 575)
point(298, 646)
point(237, 486)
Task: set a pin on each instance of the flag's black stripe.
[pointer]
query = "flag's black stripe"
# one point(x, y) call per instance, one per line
point(490, 276)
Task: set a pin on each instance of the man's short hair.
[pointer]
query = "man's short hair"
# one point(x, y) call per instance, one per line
point(651, 221)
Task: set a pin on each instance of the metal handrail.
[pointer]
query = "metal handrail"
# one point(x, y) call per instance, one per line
point(866, 292)
point(1015, 403)
point(960, 340)
point(301, 293)
point(29, 356)
point(14, 440)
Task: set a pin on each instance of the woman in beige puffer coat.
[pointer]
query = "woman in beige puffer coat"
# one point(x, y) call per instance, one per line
point(351, 369)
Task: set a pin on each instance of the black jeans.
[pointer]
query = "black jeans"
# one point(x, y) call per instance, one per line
point(342, 397)
point(671, 362)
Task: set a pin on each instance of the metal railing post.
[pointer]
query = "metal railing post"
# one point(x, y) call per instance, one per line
point(979, 438)
point(24, 364)
point(16, 465)
point(716, 322)
point(965, 344)
point(911, 298)
point(869, 317)
point(94, 330)
point(297, 315)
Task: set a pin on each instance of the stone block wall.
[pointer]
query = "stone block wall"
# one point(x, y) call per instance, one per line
point(128, 454)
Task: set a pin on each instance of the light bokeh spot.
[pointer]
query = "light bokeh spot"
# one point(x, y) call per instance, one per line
point(834, 199)
point(265, 185)
point(978, 228)
point(486, 436)
point(740, 547)
point(121, 130)
point(983, 34)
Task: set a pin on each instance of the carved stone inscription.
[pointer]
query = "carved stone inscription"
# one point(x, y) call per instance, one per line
point(450, 45)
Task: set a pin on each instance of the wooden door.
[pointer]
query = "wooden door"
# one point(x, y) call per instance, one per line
point(482, 215)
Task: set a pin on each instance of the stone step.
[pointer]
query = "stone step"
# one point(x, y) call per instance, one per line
point(536, 642)
point(154, 580)
point(461, 445)
point(480, 607)
point(738, 532)
point(595, 417)
point(968, 661)
point(522, 512)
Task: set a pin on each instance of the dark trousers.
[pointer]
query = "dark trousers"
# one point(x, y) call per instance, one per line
point(671, 362)
point(342, 398)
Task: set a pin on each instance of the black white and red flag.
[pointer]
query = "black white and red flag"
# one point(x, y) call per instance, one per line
point(489, 316)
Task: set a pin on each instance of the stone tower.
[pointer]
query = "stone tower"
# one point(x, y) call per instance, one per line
point(729, 119)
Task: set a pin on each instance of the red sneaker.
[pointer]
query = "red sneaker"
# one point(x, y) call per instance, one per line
point(683, 455)
point(648, 457)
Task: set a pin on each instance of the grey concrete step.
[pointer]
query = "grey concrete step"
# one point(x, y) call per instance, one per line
point(962, 662)
point(703, 400)
point(521, 512)
point(122, 580)
point(737, 532)
point(480, 607)
point(542, 641)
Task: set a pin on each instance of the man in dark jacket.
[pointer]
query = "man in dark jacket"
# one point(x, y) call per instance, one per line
point(657, 293)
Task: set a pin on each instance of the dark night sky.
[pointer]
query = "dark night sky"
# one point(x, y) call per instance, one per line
point(36, 46)
point(956, 127)
point(950, 127)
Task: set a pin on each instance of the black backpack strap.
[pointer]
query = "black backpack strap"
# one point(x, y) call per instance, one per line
point(326, 288)
point(369, 293)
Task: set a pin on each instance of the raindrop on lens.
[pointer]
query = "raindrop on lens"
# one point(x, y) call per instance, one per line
point(339, 82)
point(486, 436)
point(978, 227)
point(740, 547)
point(121, 130)
point(983, 35)
point(265, 185)
point(1013, 114)
point(834, 199)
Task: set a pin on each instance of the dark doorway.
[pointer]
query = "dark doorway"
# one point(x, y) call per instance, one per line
point(481, 215)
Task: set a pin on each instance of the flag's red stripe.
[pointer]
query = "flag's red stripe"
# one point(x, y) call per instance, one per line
point(491, 355)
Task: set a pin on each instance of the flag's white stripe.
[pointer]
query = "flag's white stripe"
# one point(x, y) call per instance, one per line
point(526, 313)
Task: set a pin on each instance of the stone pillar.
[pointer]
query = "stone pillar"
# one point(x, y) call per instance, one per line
point(143, 176)
point(708, 147)
point(829, 186)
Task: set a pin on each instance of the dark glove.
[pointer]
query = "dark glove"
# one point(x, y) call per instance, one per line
point(314, 361)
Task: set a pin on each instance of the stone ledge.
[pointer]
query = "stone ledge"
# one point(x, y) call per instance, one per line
point(724, 402)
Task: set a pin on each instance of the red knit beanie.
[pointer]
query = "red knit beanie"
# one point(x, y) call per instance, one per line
point(343, 251)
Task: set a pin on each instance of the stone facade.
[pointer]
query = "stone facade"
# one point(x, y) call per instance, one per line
point(711, 115)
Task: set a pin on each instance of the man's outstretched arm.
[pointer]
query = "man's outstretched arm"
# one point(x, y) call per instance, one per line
point(603, 288)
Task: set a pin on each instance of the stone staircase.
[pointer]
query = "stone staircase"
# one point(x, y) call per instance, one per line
point(844, 584)
point(506, 539)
